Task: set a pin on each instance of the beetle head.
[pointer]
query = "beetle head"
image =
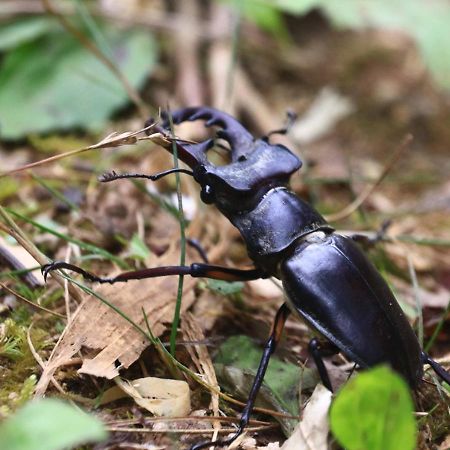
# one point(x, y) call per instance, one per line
point(255, 166)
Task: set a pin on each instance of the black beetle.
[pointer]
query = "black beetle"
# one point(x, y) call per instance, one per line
point(328, 281)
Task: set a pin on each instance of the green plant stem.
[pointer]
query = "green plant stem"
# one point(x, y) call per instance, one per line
point(181, 219)
point(55, 192)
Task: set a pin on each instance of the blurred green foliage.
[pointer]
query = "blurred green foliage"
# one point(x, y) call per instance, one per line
point(374, 411)
point(49, 81)
point(425, 21)
point(49, 424)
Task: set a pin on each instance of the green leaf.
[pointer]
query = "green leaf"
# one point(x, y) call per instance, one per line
point(264, 14)
point(49, 424)
point(54, 83)
point(8, 187)
point(427, 22)
point(225, 287)
point(236, 365)
point(374, 411)
point(138, 248)
point(22, 31)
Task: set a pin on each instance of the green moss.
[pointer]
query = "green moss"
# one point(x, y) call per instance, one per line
point(19, 369)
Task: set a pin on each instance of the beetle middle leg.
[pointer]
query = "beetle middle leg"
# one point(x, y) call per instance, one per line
point(318, 350)
point(269, 348)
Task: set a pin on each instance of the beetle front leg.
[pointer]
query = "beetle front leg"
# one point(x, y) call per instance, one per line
point(194, 270)
point(318, 351)
point(269, 348)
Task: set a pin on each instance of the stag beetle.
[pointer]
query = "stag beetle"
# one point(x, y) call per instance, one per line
point(328, 281)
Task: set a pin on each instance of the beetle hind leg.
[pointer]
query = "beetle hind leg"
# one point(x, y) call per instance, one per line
point(318, 350)
point(438, 369)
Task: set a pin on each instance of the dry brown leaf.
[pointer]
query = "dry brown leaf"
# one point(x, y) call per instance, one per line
point(208, 308)
point(312, 430)
point(160, 396)
point(97, 327)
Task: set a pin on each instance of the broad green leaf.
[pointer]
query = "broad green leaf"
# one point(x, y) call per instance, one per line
point(374, 411)
point(426, 21)
point(49, 424)
point(54, 83)
point(22, 31)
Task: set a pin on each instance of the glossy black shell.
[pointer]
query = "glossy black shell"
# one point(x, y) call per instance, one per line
point(275, 223)
point(328, 280)
point(333, 286)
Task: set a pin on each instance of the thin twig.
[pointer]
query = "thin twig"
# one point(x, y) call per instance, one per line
point(189, 430)
point(152, 419)
point(30, 303)
point(368, 190)
point(39, 360)
point(89, 45)
point(112, 140)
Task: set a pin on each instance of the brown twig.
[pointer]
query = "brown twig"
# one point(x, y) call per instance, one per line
point(156, 20)
point(220, 56)
point(189, 430)
point(30, 303)
point(113, 140)
point(186, 51)
point(368, 190)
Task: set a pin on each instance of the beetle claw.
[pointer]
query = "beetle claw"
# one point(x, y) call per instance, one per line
point(46, 269)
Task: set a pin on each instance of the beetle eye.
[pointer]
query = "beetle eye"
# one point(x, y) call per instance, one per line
point(207, 194)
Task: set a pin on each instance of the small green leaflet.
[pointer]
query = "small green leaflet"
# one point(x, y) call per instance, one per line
point(49, 424)
point(374, 411)
point(225, 287)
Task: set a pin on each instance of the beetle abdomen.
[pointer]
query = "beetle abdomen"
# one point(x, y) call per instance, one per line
point(331, 284)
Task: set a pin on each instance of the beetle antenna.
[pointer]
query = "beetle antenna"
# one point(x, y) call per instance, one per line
point(112, 176)
point(291, 118)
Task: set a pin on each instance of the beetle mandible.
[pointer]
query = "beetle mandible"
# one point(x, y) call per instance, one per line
point(328, 280)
